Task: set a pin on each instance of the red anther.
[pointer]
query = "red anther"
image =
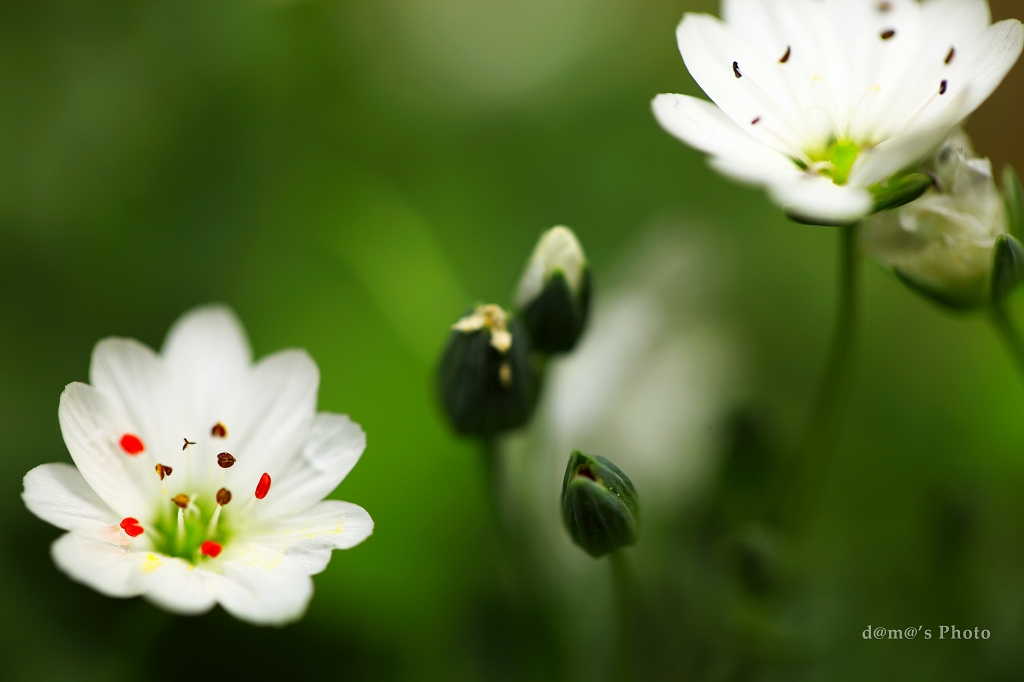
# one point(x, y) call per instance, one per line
point(129, 521)
point(134, 531)
point(263, 487)
point(131, 444)
point(210, 549)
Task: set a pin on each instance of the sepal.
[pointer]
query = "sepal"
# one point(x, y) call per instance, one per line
point(1014, 196)
point(1007, 267)
point(900, 190)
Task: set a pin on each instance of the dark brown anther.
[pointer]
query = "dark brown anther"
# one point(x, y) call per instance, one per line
point(887, 35)
point(223, 496)
point(736, 69)
point(163, 470)
point(219, 431)
point(755, 121)
point(225, 460)
point(181, 499)
point(949, 57)
point(943, 86)
point(187, 443)
point(884, 7)
point(785, 57)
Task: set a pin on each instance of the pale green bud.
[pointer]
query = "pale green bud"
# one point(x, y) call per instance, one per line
point(599, 505)
point(486, 380)
point(554, 292)
point(943, 244)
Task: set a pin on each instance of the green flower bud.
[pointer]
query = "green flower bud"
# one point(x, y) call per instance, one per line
point(900, 190)
point(942, 245)
point(1014, 196)
point(599, 505)
point(486, 381)
point(1007, 267)
point(554, 292)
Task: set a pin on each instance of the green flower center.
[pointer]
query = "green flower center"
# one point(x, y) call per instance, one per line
point(196, 533)
point(838, 158)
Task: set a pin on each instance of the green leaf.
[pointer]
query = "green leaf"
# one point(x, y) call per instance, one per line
point(900, 190)
point(1014, 196)
point(1007, 267)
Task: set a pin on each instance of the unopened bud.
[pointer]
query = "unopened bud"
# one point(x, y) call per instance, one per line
point(487, 384)
point(599, 505)
point(554, 292)
point(1007, 267)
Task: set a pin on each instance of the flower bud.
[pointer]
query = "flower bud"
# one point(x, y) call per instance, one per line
point(1014, 195)
point(487, 384)
point(599, 505)
point(943, 244)
point(554, 292)
point(1007, 267)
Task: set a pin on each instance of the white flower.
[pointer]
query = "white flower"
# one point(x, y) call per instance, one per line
point(944, 242)
point(558, 251)
point(200, 476)
point(819, 100)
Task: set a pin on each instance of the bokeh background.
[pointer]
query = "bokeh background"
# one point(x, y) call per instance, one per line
point(350, 176)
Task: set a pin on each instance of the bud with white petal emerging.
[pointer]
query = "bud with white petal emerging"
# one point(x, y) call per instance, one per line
point(554, 292)
point(599, 505)
point(943, 245)
point(487, 383)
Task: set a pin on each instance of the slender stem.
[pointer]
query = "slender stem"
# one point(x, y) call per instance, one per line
point(625, 597)
point(1010, 335)
point(816, 449)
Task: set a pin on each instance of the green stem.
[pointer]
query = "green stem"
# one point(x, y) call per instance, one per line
point(1010, 335)
point(625, 597)
point(817, 447)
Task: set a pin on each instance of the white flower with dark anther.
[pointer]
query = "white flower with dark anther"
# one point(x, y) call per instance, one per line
point(821, 100)
point(200, 476)
point(943, 243)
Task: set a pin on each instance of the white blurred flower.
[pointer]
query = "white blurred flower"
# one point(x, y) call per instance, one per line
point(648, 387)
point(200, 476)
point(943, 243)
point(819, 100)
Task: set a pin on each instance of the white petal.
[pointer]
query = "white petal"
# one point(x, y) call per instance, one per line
point(705, 127)
point(176, 585)
point(58, 494)
point(263, 587)
point(896, 154)
point(987, 62)
point(714, 54)
point(207, 355)
point(108, 569)
point(335, 445)
point(136, 381)
point(92, 430)
point(271, 415)
point(309, 538)
point(819, 200)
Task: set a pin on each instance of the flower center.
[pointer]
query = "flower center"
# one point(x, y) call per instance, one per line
point(192, 529)
point(837, 161)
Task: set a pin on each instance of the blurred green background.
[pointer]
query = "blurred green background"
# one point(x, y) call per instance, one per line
point(349, 176)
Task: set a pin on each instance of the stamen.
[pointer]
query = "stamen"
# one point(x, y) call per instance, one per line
point(131, 444)
point(223, 496)
point(755, 121)
point(889, 34)
point(943, 86)
point(736, 69)
point(263, 487)
point(163, 470)
point(225, 460)
point(131, 526)
point(180, 537)
point(219, 431)
point(884, 7)
point(949, 57)
point(187, 443)
point(210, 549)
point(785, 57)
point(129, 521)
point(181, 500)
